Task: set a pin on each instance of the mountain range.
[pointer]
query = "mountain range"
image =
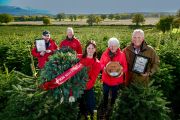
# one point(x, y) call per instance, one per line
point(13, 10)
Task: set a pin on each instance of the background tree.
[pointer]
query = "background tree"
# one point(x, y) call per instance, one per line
point(117, 17)
point(71, 17)
point(178, 13)
point(6, 18)
point(98, 19)
point(46, 21)
point(103, 16)
point(91, 19)
point(138, 18)
point(61, 16)
point(75, 17)
point(176, 22)
point(165, 24)
point(81, 17)
point(111, 16)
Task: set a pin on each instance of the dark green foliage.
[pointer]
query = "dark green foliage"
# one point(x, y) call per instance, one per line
point(7, 79)
point(58, 63)
point(46, 21)
point(165, 24)
point(138, 18)
point(6, 18)
point(176, 22)
point(139, 102)
point(91, 19)
point(27, 102)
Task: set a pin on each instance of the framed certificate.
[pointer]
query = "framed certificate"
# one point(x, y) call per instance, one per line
point(140, 64)
point(40, 45)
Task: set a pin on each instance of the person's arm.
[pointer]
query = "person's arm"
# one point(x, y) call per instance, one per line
point(102, 61)
point(79, 49)
point(35, 53)
point(155, 64)
point(125, 68)
point(93, 75)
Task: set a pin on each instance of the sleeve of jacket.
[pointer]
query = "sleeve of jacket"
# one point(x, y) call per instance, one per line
point(102, 61)
point(93, 75)
point(79, 51)
point(35, 53)
point(61, 44)
point(155, 63)
point(125, 68)
point(124, 62)
point(55, 47)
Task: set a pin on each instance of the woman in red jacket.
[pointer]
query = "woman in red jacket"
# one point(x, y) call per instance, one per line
point(71, 41)
point(112, 54)
point(89, 59)
point(43, 55)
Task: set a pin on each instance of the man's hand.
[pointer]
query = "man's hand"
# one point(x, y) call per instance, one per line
point(48, 51)
point(145, 74)
point(42, 53)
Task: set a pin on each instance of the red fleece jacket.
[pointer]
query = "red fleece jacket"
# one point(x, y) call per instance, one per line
point(119, 57)
point(94, 68)
point(43, 59)
point(74, 44)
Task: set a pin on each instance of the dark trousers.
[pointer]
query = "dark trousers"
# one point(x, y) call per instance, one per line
point(106, 91)
point(87, 103)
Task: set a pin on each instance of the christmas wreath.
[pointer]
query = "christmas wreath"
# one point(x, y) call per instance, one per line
point(60, 62)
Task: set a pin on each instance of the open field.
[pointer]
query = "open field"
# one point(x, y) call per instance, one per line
point(148, 21)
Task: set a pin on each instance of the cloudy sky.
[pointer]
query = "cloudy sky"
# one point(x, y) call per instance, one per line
point(97, 6)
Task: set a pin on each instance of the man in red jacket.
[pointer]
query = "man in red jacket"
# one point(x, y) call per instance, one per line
point(71, 41)
point(112, 54)
point(43, 55)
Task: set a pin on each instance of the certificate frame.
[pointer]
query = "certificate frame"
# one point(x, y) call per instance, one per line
point(140, 64)
point(40, 45)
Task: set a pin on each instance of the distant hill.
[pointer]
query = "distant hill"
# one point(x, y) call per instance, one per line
point(17, 11)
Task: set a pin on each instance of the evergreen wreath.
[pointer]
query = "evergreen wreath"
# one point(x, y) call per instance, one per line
point(58, 63)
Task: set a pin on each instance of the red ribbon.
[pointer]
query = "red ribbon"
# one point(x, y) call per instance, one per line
point(59, 80)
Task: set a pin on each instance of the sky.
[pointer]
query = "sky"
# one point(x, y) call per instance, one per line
point(96, 6)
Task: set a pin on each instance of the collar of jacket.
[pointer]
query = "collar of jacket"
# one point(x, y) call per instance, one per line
point(143, 47)
point(70, 39)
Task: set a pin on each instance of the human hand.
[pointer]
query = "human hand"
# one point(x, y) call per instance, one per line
point(145, 74)
point(48, 51)
point(42, 53)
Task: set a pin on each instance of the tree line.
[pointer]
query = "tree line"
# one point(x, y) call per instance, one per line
point(165, 23)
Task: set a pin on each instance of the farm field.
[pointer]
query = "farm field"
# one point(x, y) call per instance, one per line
point(16, 43)
point(148, 21)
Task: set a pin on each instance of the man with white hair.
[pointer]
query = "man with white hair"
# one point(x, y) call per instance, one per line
point(141, 58)
point(71, 41)
point(112, 83)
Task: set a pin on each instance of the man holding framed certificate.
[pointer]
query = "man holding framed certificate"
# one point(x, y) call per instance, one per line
point(43, 49)
point(141, 58)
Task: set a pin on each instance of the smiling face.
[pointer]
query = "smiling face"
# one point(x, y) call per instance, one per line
point(113, 48)
point(46, 37)
point(70, 34)
point(137, 39)
point(90, 50)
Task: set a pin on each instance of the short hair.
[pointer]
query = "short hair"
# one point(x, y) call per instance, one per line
point(113, 41)
point(44, 33)
point(138, 30)
point(70, 29)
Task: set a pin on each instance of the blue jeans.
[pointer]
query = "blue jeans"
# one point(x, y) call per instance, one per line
point(87, 102)
point(114, 91)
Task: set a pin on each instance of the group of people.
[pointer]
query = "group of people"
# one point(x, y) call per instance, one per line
point(127, 58)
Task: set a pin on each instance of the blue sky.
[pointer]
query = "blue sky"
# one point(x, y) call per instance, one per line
point(97, 6)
